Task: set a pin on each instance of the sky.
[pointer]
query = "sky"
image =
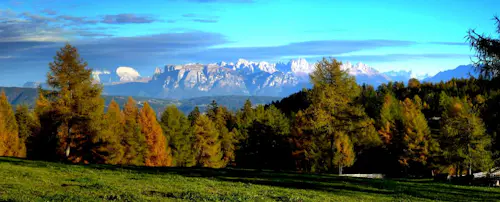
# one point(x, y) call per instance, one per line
point(425, 36)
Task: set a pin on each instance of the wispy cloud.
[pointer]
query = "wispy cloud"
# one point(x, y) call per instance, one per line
point(450, 43)
point(205, 20)
point(127, 18)
point(401, 57)
point(201, 18)
point(77, 20)
point(49, 12)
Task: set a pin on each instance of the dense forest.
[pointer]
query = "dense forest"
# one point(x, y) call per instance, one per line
point(418, 129)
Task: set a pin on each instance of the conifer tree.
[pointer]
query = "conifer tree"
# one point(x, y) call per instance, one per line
point(344, 154)
point(334, 110)
point(44, 142)
point(158, 151)
point(207, 144)
point(115, 122)
point(133, 141)
point(10, 143)
point(25, 121)
point(416, 140)
point(78, 103)
point(464, 140)
point(193, 115)
point(176, 127)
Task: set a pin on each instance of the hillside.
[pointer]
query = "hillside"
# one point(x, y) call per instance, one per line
point(28, 96)
point(24, 180)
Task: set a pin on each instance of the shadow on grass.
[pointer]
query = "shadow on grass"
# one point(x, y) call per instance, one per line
point(399, 188)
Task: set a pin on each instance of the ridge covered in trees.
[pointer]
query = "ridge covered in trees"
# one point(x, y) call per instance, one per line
point(418, 129)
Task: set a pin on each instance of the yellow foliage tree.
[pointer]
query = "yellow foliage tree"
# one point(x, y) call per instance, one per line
point(158, 152)
point(10, 143)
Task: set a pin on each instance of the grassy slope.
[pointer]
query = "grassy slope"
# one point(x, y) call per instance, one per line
point(22, 180)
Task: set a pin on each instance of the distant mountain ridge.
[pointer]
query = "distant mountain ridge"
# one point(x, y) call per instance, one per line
point(243, 78)
point(462, 71)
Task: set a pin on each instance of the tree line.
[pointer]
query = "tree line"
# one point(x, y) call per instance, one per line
point(418, 129)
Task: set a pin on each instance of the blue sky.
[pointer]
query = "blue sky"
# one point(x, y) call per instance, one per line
point(424, 36)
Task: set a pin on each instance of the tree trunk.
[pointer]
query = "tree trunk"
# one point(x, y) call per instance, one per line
point(340, 169)
point(68, 146)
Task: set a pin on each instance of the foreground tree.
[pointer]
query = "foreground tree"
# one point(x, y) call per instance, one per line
point(335, 111)
point(158, 151)
point(10, 143)
point(464, 140)
point(77, 104)
point(487, 52)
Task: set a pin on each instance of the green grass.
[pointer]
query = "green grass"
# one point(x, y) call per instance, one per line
point(23, 180)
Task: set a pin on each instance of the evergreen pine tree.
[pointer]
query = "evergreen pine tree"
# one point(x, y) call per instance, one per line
point(176, 127)
point(207, 145)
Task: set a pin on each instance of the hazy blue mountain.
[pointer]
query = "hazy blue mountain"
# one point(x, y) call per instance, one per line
point(462, 71)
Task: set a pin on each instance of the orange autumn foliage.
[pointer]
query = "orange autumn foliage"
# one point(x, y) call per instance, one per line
point(157, 152)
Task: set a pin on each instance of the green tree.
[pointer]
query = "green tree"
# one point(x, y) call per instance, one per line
point(176, 127)
point(335, 111)
point(115, 123)
point(207, 145)
point(416, 139)
point(464, 140)
point(134, 142)
point(193, 115)
point(25, 121)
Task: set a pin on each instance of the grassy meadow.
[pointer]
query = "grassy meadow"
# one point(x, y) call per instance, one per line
point(23, 180)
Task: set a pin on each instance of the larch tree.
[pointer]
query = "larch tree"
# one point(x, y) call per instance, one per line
point(416, 139)
point(176, 127)
point(77, 100)
point(157, 153)
point(344, 154)
point(133, 141)
point(115, 123)
point(207, 145)
point(220, 116)
point(10, 143)
point(25, 121)
point(335, 111)
point(465, 141)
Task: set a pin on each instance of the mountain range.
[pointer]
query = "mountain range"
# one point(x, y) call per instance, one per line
point(243, 77)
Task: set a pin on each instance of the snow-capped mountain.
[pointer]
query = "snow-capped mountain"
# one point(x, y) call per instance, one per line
point(242, 77)
point(365, 74)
